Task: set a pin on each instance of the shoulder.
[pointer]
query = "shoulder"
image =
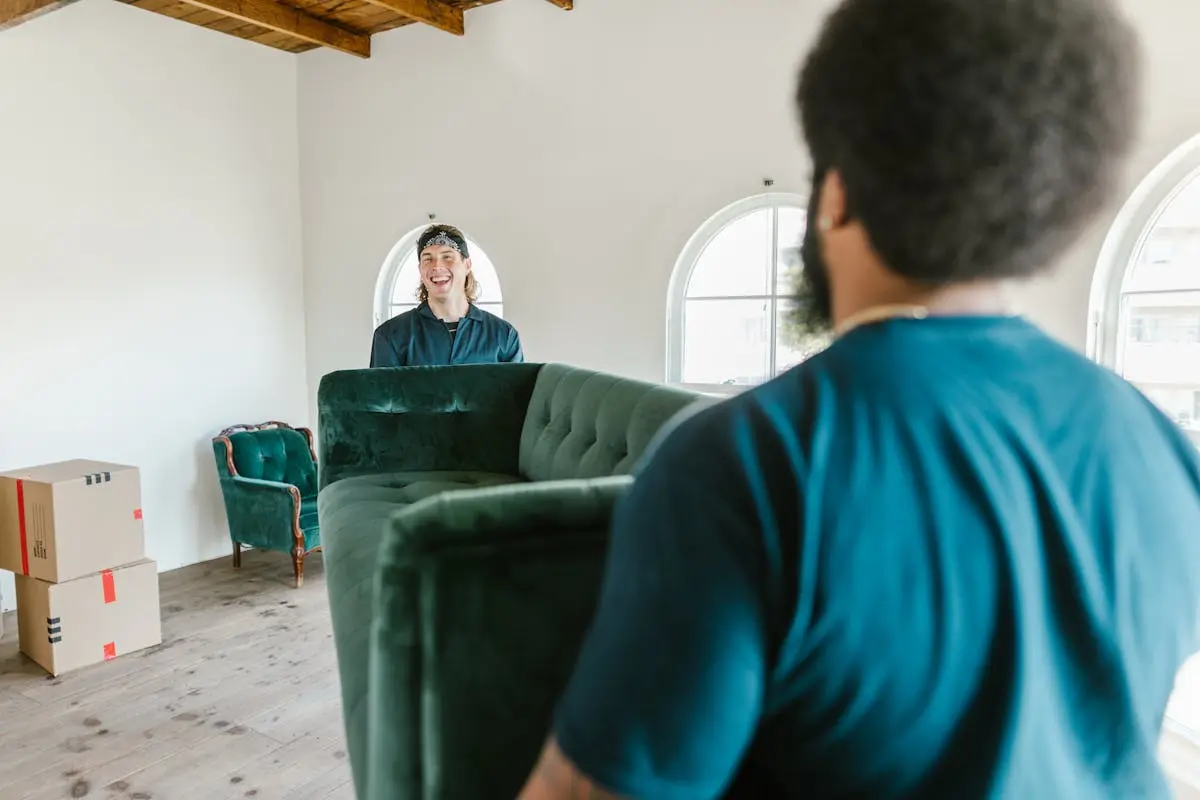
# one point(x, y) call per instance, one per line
point(742, 444)
point(400, 323)
point(492, 321)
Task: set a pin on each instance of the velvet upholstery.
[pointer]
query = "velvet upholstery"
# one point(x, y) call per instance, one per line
point(404, 419)
point(584, 424)
point(464, 513)
point(483, 600)
point(279, 455)
point(268, 480)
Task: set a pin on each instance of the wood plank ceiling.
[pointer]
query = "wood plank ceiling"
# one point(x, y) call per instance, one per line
point(291, 25)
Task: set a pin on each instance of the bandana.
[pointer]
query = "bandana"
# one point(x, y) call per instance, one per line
point(441, 235)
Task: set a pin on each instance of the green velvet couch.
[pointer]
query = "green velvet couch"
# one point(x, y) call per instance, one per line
point(464, 515)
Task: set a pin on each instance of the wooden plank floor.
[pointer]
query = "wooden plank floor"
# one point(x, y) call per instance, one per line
point(240, 700)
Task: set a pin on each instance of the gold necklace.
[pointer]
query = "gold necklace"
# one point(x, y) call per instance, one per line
point(881, 312)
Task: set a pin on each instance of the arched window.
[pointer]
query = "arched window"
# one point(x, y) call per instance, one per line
point(1146, 300)
point(727, 312)
point(396, 290)
point(1145, 324)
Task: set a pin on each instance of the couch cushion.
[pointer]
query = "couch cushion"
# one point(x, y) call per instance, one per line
point(584, 424)
point(354, 513)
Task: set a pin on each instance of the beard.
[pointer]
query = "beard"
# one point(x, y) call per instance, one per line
point(810, 312)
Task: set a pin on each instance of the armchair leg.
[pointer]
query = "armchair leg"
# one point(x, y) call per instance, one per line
point(298, 565)
point(237, 555)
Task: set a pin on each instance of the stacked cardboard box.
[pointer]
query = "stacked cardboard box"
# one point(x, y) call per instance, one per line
point(72, 532)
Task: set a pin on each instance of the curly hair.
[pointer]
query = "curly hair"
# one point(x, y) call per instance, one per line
point(974, 138)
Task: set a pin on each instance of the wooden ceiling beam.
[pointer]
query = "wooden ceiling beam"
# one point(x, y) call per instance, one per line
point(565, 5)
point(14, 12)
point(285, 19)
point(440, 15)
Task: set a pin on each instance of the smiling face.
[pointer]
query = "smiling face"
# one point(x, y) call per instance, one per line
point(444, 271)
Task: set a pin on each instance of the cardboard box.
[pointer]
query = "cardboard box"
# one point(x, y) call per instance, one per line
point(65, 520)
point(65, 626)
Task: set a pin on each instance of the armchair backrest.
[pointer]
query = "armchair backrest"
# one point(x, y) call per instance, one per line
point(270, 451)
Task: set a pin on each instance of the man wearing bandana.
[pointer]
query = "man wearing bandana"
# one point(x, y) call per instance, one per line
point(447, 327)
point(947, 557)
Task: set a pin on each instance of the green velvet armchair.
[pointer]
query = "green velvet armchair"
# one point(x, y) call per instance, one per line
point(268, 478)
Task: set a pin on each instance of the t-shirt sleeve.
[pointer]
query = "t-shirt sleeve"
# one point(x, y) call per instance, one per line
point(669, 686)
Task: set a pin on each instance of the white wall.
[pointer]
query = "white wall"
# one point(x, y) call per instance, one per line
point(583, 148)
point(149, 254)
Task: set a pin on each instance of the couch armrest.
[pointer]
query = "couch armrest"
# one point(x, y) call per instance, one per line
point(264, 514)
point(482, 599)
point(462, 417)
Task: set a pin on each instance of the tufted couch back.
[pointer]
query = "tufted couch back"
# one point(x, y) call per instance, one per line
point(423, 419)
point(275, 454)
point(584, 424)
point(540, 422)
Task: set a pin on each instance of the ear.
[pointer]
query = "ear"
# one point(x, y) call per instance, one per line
point(831, 213)
point(467, 264)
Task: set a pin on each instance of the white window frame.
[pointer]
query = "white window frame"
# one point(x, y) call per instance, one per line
point(1125, 239)
point(1106, 321)
point(389, 273)
point(681, 276)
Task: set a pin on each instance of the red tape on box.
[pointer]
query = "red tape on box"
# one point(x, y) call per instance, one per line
point(21, 526)
point(110, 651)
point(137, 513)
point(110, 587)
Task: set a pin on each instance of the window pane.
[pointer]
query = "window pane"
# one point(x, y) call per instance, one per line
point(485, 276)
point(726, 341)
point(791, 233)
point(409, 278)
point(737, 261)
point(407, 281)
point(1161, 352)
point(1184, 703)
point(1169, 258)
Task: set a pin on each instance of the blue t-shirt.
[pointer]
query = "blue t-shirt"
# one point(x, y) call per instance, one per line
point(944, 558)
point(417, 338)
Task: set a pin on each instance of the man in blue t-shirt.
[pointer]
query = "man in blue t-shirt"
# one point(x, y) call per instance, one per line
point(948, 557)
point(447, 327)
